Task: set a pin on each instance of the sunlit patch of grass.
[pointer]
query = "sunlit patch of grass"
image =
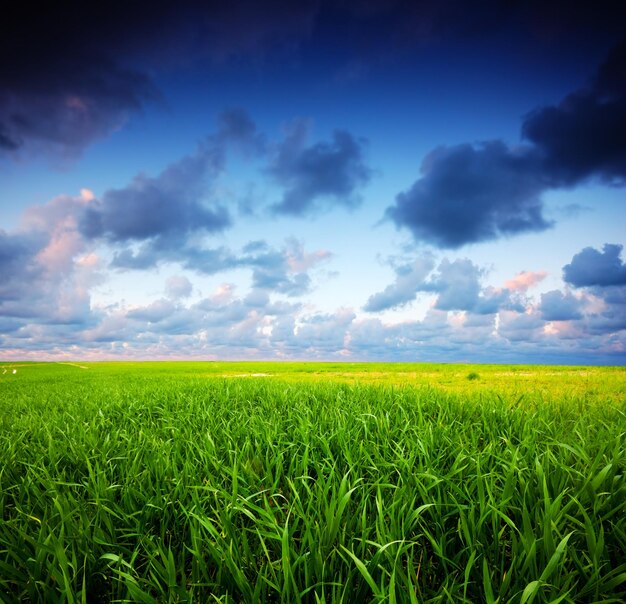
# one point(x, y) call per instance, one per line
point(171, 483)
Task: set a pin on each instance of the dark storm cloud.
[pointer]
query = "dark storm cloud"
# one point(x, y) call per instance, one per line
point(73, 72)
point(321, 175)
point(57, 93)
point(558, 306)
point(583, 136)
point(469, 194)
point(168, 206)
point(591, 267)
point(70, 106)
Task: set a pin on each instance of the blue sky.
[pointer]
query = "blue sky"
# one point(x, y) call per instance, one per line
point(349, 180)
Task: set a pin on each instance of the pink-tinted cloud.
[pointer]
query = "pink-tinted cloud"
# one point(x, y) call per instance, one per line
point(50, 267)
point(525, 280)
point(299, 260)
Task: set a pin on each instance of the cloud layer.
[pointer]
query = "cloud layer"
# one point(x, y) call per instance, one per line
point(562, 328)
point(75, 72)
point(473, 193)
point(165, 209)
point(457, 285)
point(591, 267)
point(320, 175)
point(213, 221)
point(50, 268)
point(469, 194)
point(581, 137)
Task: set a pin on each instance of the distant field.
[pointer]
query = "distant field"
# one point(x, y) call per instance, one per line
point(309, 482)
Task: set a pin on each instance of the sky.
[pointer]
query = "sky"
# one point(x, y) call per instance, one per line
point(349, 180)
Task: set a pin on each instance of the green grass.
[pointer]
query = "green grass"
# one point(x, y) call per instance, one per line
point(197, 482)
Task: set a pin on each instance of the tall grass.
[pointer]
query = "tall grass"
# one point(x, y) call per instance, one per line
point(158, 488)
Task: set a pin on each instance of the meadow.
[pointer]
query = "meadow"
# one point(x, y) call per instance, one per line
point(309, 482)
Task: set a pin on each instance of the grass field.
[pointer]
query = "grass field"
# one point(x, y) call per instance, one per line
point(305, 482)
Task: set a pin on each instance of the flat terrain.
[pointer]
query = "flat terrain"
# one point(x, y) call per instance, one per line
point(310, 482)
